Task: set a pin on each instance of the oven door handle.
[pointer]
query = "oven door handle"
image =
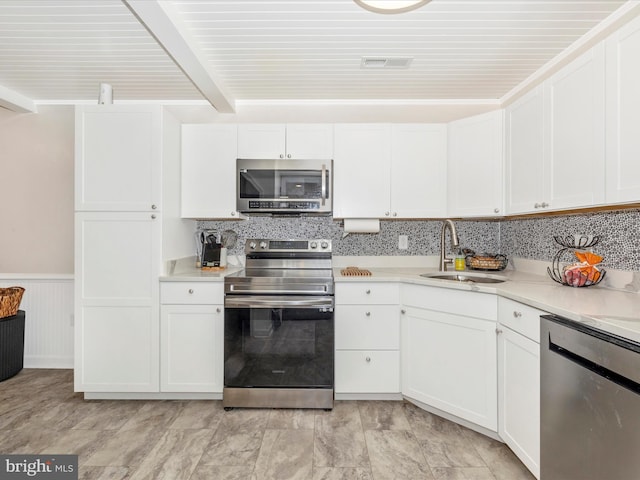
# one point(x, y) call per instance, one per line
point(279, 301)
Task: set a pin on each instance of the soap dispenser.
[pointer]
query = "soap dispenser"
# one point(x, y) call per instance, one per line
point(459, 262)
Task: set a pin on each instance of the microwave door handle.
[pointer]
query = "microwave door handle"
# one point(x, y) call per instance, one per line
point(324, 184)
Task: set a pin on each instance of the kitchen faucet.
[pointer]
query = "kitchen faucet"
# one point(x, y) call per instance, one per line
point(455, 242)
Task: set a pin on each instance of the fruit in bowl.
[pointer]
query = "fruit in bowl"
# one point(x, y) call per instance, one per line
point(583, 273)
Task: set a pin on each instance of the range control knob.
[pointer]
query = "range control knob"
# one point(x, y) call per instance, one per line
point(252, 245)
point(263, 245)
point(313, 244)
point(324, 244)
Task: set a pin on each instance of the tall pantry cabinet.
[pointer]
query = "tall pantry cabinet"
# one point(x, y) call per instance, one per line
point(120, 199)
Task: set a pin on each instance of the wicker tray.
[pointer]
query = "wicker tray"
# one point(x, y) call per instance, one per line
point(10, 299)
point(486, 262)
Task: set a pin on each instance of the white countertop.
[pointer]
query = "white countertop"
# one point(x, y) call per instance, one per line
point(613, 311)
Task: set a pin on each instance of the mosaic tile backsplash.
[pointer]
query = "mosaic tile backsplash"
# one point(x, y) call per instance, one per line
point(531, 238)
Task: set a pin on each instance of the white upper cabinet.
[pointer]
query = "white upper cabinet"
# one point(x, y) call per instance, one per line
point(527, 185)
point(576, 97)
point(390, 171)
point(361, 166)
point(623, 117)
point(418, 170)
point(209, 153)
point(294, 141)
point(474, 180)
point(118, 152)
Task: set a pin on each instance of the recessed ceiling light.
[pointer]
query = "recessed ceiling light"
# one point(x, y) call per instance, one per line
point(391, 6)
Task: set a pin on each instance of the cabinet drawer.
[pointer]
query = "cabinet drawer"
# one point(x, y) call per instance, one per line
point(520, 318)
point(194, 293)
point(362, 327)
point(367, 371)
point(367, 293)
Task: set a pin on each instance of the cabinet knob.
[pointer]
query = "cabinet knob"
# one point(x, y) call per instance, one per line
point(496, 210)
point(517, 314)
point(386, 214)
point(218, 310)
point(368, 359)
point(153, 217)
point(191, 291)
point(403, 311)
point(233, 214)
point(281, 155)
point(153, 207)
point(544, 205)
point(498, 331)
point(536, 205)
point(395, 214)
point(368, 291)
point(288, 155)
point(368, 314)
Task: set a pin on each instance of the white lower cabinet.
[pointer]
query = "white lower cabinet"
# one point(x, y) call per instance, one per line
point(449, 352)
point(191, 337)
point(367, 339)
point(519, 381)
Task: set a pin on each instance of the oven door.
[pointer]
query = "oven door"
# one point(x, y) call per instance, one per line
point(275, 341)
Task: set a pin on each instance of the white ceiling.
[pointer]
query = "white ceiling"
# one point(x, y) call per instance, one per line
point(61, 50)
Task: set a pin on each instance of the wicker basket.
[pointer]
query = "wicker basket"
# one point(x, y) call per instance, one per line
point(10, 299)
point(487, 262)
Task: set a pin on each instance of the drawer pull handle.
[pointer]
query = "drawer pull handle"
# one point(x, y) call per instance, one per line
point(368, 314)
point(368, 359)
point(517, 314)
point(190, 290)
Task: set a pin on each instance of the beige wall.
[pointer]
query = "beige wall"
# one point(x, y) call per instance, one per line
point(36, 191)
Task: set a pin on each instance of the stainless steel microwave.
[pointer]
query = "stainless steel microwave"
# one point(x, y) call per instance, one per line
point(284, 186)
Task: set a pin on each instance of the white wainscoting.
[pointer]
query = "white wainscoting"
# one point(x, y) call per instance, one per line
point(48, 303)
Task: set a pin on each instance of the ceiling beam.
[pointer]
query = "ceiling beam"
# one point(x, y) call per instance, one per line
point(16, 102)
point(162, 21)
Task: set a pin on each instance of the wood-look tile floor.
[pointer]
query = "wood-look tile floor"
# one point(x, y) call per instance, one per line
point(198, 440)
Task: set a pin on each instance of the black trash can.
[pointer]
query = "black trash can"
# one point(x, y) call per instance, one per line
point(11, 345)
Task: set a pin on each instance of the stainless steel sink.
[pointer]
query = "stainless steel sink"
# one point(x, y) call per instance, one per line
point(466, 277)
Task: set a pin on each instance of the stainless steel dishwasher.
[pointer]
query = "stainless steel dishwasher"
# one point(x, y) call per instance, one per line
point(589, 403)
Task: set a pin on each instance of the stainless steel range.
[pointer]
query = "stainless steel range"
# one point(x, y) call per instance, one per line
point(279, 327)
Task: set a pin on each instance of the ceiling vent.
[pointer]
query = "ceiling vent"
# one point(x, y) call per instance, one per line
point(385, 62)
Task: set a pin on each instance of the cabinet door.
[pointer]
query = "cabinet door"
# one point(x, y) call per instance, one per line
point(623, 105)
point(519, 397)
point(474, 180)
point(361, 165)
point(577, 131)
point(192, 342)
point(117, 264)
point(310, 141)
point(449, 362)
point(418, 170)
point(118, 158)
point(262, 140)
point(526, 170)
point(209, 155)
